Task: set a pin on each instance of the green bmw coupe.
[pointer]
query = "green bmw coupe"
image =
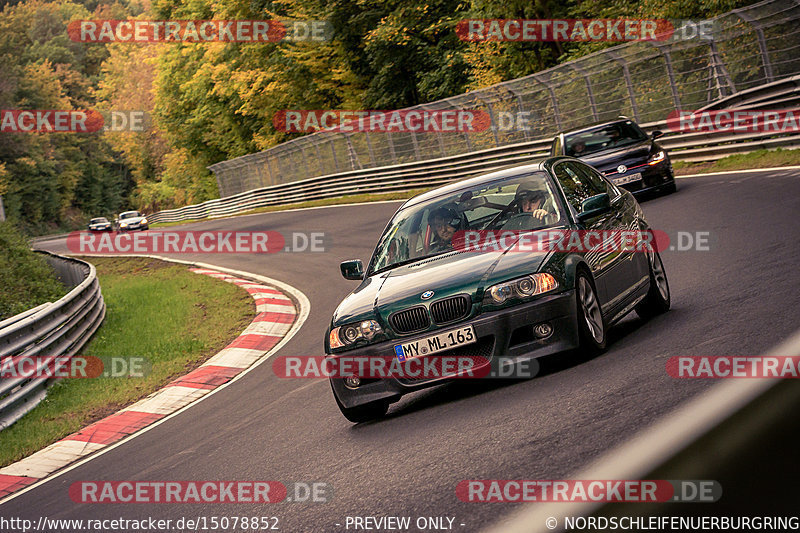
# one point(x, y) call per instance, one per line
point(489, 273)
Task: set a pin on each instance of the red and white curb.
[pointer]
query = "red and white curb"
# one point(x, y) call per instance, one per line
point(278, 318)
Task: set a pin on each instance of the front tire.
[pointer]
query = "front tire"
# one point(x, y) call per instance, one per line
point(592, 327)
point(657, 300)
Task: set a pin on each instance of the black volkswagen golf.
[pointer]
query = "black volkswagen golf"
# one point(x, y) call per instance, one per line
point(623, 152)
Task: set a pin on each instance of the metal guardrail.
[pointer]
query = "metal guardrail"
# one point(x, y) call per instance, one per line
point(745, 48)
point(700, 146)
point(50, 333)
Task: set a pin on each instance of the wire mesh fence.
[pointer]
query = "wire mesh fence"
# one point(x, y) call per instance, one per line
point(644, 80)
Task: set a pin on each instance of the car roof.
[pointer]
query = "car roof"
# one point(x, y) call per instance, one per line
point(595, 125)
point(128, 212)
point(511, 170)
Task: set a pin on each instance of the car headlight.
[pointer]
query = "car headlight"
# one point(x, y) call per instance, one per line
point(123, 224)
point(351, 334)
point(144, 221)
point(520, 288)
point(657, 158)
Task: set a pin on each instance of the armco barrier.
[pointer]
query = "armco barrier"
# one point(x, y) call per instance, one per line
point(700, 146)
point(49, 331)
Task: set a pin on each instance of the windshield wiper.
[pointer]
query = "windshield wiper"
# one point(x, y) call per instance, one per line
point(406, 262)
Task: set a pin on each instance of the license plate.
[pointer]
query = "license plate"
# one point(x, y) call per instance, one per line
point(627, 179)
point(435, 343)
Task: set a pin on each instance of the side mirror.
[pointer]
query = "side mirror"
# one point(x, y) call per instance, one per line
point(656, 134)
point(352, 269)
point(594, 206)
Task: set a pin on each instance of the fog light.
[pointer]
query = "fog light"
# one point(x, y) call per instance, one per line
point(352, 382)
point(542, 330)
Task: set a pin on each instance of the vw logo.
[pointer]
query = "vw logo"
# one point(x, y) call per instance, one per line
point(622, 169)
point(426, 295)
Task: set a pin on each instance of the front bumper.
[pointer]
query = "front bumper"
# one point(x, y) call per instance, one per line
point(134, 227)
point(504, 337)
point(653, 177)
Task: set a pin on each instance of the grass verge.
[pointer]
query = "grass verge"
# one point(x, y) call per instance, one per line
point(352, 199)
point(173, 318)
point(26, 280)
point(751, 161)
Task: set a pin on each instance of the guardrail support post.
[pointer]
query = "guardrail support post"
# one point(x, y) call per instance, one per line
point(369, 148)
point(549, 87)
point(351, 152)
point(580, 71)
point(762, 42)
point(676, 99)
point(492, 121)
point(335, 159)
point(391, 146)
point(627, 73)
point(417, 156)
point(305, 161)
point(718, 69)
point(521, 109)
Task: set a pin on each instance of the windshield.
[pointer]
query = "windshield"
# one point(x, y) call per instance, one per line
point(130, 214)
point(522, 202)
point(97, 221)
point(602, 138)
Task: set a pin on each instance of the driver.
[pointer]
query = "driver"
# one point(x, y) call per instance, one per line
point(578, 148)
point(445, 221)
point(613, 136)
point(531, 197)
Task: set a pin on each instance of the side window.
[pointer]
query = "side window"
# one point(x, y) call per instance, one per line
point(597, 181)
point(577, 185)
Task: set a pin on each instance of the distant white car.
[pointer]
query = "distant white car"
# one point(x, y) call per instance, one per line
point(130, 221)
point(100, 224)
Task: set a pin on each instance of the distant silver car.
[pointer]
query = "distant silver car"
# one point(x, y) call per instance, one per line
point(100, 224)
point(130, 221)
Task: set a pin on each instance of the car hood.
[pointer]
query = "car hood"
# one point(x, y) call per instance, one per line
point(609, 160)
point(132, 220)
point(445, 275)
